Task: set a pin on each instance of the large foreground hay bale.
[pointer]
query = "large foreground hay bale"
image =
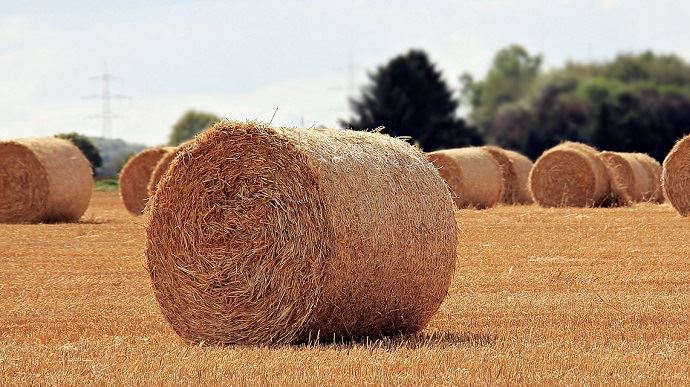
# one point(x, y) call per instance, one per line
point(630, 181)
point(569, 175)
point(654, 170)
point(162, 167)
point(473, 175)
point(135, 176)
point(515, 168)
point(676, 176)
point(43, 180)
point(269, 236)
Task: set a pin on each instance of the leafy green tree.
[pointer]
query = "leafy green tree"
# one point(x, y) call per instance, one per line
point(409, 97)
point(511, 76)
point(86, 146)
point(643, 121)
point(191, 123)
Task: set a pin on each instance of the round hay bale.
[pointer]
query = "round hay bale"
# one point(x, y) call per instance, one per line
point(515, 168)
point(569, 175)
point(271, 236)
point(473, 175)
point(654, 170)
point(135, 176)
point(43, 180)
point(523, 166)
point(676, 176)
point(629, 179)
point(162, 167)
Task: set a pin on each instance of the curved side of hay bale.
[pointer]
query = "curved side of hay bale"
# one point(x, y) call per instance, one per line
point(654, 171)
point(507, 170)
point(270, 236)
point(472, 174)
point(515, 168)
point(159, 170)
point(135, 176)
point(630, 181)
point(675, 178)
point(43, 180)
point(569, 175)
point(523, 166)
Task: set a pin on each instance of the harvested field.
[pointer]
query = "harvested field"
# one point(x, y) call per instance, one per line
point(570, 295)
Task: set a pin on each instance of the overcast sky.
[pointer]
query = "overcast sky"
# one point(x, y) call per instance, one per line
point(242, 59)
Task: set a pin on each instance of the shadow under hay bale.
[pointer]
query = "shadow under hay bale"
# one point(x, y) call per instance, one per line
point(272, 236)
point(472, 174)
point(676, 176)
point(569, 175)
point(43, 180)
point(434, 339)
point(135, 176)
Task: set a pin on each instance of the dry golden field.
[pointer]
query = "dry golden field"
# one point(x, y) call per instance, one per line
point(540, 296)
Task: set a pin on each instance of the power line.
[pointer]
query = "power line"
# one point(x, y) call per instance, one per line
point(106, 96)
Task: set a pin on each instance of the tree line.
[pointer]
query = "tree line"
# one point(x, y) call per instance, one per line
point(632, 103)
point(635, 102)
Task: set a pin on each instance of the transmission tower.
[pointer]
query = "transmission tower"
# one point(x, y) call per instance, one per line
point(106, 96)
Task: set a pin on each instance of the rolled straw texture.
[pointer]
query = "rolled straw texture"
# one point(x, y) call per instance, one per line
point(473, 175)
point(629, 178)
point(162, 167)
point(515, 168)
point(272, 236)
point(569, 175)
point(135, 176)
point(676, 176)
point(654, 170)
point(43, 180)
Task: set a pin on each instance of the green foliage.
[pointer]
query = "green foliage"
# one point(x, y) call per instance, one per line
point(109, 185)
point(632, 103)
point(511, 75)
point(86, 146)
point(409, 98)
point(191, 123)
point(643, 121)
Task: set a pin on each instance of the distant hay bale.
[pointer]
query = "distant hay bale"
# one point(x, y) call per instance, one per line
point(569, 175)
point(135, 176)
point(270, 236)
point(654, 170)
point(43, 180)
point(629, 179)
point(676, 176)
point(473, 175)
point(162, 167)
point(515, 168)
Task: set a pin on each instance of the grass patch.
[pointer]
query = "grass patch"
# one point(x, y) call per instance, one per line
point(110, 185)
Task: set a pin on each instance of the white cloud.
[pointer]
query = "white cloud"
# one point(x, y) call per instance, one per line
point(608, 4)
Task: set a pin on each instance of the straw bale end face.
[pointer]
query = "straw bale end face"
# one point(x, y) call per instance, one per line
point(23, 183)
point(676, 176)
point(271, 236)
point(162, 167)
point(569, 175)
point(135, 176)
